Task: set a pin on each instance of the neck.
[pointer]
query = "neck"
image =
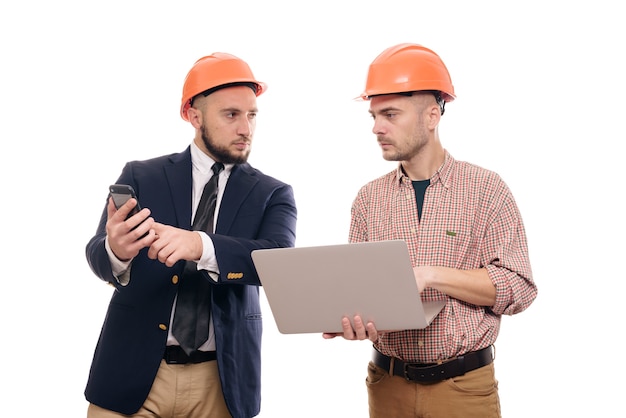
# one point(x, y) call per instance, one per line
point(423, 165)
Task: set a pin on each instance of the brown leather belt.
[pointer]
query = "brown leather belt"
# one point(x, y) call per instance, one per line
point(174, 354)
point(415, 372)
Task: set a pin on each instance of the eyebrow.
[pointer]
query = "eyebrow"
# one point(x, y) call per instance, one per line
point(236, 109)
point(385, 109)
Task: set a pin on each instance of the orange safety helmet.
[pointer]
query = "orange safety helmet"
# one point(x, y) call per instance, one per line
point(213, 71)
point(405, 68)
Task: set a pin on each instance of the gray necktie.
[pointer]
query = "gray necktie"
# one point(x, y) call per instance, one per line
point(193, 306)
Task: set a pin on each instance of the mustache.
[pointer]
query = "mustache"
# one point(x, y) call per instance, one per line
point(243, 138)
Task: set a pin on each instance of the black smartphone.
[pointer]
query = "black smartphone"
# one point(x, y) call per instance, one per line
point(120, 194)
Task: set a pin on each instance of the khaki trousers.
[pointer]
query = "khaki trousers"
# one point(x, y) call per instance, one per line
point(179, 390)
point(473, 395)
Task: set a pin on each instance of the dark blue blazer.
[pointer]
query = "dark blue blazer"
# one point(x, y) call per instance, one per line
point(257, 211)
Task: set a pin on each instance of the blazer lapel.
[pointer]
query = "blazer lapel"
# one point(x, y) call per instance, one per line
point(179, 179)
point(241, 181)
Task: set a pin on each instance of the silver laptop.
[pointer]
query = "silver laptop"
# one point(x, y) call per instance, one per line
point(309, 289)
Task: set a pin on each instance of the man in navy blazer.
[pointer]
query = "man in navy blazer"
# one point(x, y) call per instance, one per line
point(138, 368)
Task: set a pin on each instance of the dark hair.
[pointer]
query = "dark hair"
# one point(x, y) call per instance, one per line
point(253, 86)
point(436, 93)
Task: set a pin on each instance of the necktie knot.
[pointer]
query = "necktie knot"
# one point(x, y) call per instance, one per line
point(217, 168)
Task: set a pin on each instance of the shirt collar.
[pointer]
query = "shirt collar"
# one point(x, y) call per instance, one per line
point(203, 162)
point(443, 173)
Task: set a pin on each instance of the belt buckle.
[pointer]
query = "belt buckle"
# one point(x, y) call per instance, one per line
point(429, 373)
point(414, 373)
point(406, 372)
point(174, 356)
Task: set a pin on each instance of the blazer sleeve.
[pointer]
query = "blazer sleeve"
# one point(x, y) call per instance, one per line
point(142, 176)
point(265, 219)
point(97, 256)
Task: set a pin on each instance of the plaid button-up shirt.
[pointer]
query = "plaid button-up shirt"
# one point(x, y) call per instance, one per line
point(470, 220)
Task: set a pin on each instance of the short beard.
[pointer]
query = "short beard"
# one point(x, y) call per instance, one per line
point(405, 155)
point(221, 154)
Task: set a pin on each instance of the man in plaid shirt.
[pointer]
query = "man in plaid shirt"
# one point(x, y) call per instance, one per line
point(467, 243)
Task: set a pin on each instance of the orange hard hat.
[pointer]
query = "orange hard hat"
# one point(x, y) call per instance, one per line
point(217, 69)
point(405, 68)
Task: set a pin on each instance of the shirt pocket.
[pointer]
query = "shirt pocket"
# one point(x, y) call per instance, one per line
point(455, 247)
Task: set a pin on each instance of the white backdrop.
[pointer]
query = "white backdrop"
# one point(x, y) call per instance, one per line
point(86, 87)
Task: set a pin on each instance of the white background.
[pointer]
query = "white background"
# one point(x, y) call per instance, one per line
point(86, 86)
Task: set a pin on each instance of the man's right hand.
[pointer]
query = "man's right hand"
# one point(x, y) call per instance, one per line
point(360, 331)
point(126, 236)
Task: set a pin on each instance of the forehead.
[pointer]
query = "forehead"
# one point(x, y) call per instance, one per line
point(389, 101)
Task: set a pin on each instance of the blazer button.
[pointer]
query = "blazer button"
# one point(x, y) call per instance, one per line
point(175, 279)
point(163, 326)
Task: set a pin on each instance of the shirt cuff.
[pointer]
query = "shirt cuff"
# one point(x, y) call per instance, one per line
point(208, 260)
point(119, 268)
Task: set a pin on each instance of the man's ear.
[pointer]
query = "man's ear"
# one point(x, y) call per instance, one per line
point(195, 117)
point(434, 116)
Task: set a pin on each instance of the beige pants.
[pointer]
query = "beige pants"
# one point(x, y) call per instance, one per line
point(179, 390)
point(473, 395)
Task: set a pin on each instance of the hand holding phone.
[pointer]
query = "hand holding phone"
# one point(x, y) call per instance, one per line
point(120, 194)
